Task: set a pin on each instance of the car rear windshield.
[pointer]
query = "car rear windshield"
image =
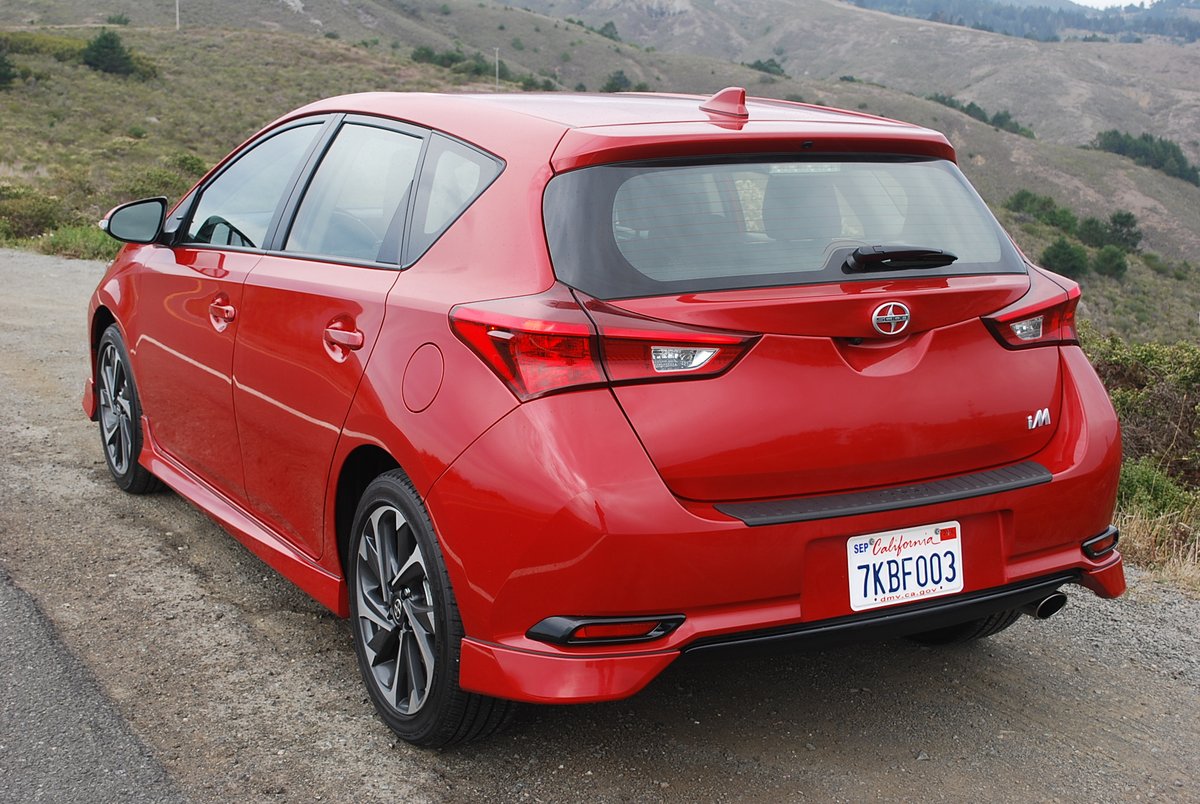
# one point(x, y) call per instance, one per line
point(646, 229)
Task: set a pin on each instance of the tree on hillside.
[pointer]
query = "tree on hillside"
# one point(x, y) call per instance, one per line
point(8, 72)
point(609, 31)
point(1123, 230)
point(617, 82)
point(107, 54)
point(1093, 232)
point(1066, 258)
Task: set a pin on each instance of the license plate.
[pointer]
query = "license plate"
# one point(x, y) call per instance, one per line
point(904, 566)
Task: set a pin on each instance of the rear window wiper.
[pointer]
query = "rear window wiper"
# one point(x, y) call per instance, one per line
point(895, 258)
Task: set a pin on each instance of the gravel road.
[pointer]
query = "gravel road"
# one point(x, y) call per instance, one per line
point(240, 687)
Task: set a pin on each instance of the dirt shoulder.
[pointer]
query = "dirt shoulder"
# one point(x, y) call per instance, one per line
point(241, 687)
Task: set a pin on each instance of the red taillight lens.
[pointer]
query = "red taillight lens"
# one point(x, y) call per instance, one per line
point(1045, 316)
point(536, 344)
point(546, 343)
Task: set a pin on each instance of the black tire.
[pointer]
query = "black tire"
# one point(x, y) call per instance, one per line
point(404, 618)
point(119, 414)
point(968, 631)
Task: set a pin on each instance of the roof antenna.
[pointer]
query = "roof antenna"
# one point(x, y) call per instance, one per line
point(730, 102)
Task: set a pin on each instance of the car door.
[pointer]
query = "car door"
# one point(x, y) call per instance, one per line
point(312, 310)
point(189, 304)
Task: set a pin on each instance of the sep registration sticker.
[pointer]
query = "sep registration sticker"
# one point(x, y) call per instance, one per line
point(904, 566)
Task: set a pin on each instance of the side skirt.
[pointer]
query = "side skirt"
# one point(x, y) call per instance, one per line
point(322, 585)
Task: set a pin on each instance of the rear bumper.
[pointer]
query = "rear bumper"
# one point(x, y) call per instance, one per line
point(558, 511)
point(525, 675)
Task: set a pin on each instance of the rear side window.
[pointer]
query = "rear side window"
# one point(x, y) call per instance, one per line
point(633, 230)
point(452, 177)
point(237, 207)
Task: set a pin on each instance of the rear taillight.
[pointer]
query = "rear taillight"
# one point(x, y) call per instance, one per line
point(1045, 316)
point(546, 343)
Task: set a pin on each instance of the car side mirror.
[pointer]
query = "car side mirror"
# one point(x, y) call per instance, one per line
point(138, 221)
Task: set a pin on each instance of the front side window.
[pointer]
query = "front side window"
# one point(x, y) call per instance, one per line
point(236, 209)
point(629, 230)
point(358, 195)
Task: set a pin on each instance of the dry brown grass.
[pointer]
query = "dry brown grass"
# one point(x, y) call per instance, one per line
point(1168, 544)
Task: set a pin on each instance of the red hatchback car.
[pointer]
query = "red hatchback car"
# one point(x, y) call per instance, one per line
point(544, 392)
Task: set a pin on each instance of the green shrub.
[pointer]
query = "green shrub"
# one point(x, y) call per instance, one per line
point(186, 164)
point(1146, 487)
point(1110, 261)
point(8, 71)
point(1149, 151)
point(29, 43)
point(770, 66)
point(86, 242)
point(28, 214)
point(616, 82)
point(117, 19)
point(1121, 231)
point(153, 181)
point(1064, 257)
point(1155, 388)
point(1042, 208)
point(107, 54)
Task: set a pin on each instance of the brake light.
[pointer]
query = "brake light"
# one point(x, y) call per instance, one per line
point(546, 343)
point(535, 344)
point(1045, 316)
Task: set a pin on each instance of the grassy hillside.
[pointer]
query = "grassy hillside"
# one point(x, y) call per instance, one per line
point(92, 140)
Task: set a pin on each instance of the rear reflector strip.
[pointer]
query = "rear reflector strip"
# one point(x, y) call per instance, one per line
point(1100, 546)
point(806, 509)
point(603, 630)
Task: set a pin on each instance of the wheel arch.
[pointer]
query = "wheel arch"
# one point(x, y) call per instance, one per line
point(102, 319)
point(362, 465)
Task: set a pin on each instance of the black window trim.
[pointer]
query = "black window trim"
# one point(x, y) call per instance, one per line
point(183, 220)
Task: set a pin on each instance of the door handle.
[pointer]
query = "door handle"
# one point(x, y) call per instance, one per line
point(345, 338)
point(222, 312)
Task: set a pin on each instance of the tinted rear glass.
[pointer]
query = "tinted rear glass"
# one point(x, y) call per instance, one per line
point(618, 231)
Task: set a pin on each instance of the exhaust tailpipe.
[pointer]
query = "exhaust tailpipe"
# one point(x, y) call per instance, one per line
point(1045, 608)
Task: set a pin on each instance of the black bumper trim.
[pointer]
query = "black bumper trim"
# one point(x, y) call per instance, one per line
point(891, 622)
point(805, 509)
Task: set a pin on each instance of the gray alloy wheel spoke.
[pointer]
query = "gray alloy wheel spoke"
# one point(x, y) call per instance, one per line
point(368, 561)
point(422, 636)
point(412, 571)
point(126, 439)
point(418, 681)
point(383, 529)
point(385, 644)
point(400, 681)
point(109, 428)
